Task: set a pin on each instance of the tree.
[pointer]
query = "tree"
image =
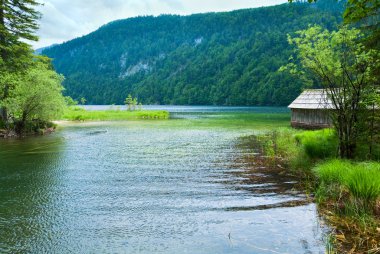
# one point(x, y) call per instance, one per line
point(365, 14)
point(83, 101)
point(129, 101)
point(345, 68)
point(37, 95)
point(18, 22)
point(70, 101)
point(134, 103)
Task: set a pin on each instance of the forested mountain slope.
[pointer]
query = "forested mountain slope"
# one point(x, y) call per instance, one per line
point(228, 58)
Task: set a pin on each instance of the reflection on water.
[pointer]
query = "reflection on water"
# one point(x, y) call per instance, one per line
point(29, 171)
point(138, 188)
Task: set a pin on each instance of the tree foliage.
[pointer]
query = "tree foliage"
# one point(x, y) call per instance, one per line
point(227, 58)
point(18, 22)
point(131, 103)
point(345, 68)
point(30, 90)
point(363, 13)
point(37, 95)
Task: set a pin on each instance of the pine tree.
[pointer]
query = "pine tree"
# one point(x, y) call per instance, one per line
point(18, 22)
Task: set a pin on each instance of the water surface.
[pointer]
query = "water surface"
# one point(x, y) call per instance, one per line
point(143, 187)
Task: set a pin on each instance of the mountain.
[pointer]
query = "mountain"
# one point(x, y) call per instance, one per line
point(39, 50)
point(228, 58)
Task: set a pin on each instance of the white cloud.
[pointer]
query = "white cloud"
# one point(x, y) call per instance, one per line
point(67, 19)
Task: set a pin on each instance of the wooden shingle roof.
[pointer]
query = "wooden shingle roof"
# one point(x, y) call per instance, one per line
point(312, 99)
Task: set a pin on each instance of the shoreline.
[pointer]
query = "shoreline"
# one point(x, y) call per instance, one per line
point(352, 231)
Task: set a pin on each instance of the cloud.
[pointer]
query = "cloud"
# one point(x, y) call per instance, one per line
point(63, 20)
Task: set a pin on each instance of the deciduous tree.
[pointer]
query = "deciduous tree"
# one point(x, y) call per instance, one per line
point(37, 95)
point(345, 68)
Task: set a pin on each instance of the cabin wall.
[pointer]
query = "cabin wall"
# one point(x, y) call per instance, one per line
point(310, 118)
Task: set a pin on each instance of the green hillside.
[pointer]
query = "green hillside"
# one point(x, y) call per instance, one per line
point(228, 58)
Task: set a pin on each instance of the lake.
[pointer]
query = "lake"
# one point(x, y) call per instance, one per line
point(174, 186)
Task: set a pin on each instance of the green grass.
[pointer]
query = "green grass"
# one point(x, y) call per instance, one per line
point(319, 144)
point(79, 114)
point(300, 149)
point(362, 180)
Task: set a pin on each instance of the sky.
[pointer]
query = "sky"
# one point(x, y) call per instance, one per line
point(63, 20)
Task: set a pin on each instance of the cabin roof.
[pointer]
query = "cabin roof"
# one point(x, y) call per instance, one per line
point(312, 99)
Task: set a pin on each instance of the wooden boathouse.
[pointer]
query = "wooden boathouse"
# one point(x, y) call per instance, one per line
point(311, 110)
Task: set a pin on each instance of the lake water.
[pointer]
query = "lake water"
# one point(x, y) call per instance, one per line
point(144, 187)
point(194, 111)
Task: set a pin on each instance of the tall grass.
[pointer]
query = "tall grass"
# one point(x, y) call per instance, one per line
point(360, 180)
point(319, 144)
point(301, 149)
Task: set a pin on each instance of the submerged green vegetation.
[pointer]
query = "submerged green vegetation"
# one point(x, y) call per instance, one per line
point(228, 120)
point(242, 121)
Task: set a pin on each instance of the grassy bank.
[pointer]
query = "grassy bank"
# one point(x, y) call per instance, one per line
point(80, 114)
point(347, 192)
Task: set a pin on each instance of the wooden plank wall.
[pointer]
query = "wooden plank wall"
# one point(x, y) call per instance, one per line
point(312, 117)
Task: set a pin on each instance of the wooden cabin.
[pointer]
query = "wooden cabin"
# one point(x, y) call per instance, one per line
point(311, 110)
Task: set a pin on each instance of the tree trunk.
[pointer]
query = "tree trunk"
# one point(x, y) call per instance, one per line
point(4, 115)
point(372, 130)
point(20, 125)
